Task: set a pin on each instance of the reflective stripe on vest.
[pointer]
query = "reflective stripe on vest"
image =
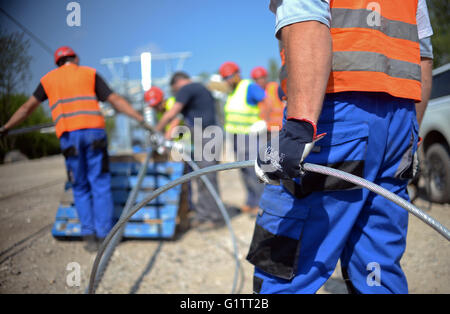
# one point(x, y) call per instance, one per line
point(374, 51)
point(239, 114)
point(71, 93)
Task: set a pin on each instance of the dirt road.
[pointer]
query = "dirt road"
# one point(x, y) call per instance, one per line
point(31, 261)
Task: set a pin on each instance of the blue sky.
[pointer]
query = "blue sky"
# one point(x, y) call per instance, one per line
point(213, 30)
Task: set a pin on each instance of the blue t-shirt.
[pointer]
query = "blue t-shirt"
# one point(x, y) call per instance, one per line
point(197, 103)
point(255, 94)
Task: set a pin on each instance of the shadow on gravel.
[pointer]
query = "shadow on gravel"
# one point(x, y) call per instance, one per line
point(232, 212)
point(135, 288)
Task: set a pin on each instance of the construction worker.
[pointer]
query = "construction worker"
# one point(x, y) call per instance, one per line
point(196, 104)
point(354, 73)
point(73, 93)
point(241, 113)
point(272, 107)
point(154, 97)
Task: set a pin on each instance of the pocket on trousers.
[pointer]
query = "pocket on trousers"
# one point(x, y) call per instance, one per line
point(69, 152)
point(102, 146)
point(276, 245)
point(343, 148)
point(409, 161)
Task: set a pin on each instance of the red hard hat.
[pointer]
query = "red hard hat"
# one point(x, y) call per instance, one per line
point(64, 51)
point(258, 72)
point(228, 68)
point(154, 96)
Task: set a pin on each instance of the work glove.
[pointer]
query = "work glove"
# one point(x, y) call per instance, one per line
point(296, 139)
point(157, 139)
point(3, 132)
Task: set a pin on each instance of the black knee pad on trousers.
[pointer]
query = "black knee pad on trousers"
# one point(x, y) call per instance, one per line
point(102, 144)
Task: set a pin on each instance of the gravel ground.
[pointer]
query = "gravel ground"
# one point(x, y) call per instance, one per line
point(31, 261)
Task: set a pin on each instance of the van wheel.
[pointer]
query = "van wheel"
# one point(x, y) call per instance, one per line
point(438, 162)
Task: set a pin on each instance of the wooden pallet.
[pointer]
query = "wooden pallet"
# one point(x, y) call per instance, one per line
point(158, 219)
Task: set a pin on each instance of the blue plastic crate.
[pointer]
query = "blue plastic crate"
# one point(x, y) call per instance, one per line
point(156, 220)
point(165, 229)
point(129, 182)
point(170, 169)
point(171, 196)
point(145, 213)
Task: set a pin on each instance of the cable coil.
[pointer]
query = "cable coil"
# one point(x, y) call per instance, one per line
point(249, 163)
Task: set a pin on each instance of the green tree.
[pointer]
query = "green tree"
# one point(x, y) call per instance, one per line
point(274, 70)
point(14, 71)
point(14, 62)
point(33, 144)
point(440, 21)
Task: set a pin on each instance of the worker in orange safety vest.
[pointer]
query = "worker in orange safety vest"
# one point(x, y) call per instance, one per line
point(272, 107)
point(352, 75)
point(73, 92)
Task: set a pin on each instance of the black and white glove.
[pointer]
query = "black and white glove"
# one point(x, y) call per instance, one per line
point(296, 139)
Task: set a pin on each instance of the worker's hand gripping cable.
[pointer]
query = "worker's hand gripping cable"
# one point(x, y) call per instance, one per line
point(302, 152)
point(284, 161)
point(157, 139)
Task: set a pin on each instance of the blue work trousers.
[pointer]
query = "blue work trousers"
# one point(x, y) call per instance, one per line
point(87, 167)
point(305, 227)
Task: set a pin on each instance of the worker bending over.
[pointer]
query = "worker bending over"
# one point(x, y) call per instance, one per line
point(196, 104)
point(154, 98)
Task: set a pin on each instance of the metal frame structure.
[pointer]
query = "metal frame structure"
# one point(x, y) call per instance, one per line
point(133, 91)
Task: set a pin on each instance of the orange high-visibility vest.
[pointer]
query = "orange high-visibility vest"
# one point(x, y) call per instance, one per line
point(273, 114)
point(375, 48)
point(71, 96)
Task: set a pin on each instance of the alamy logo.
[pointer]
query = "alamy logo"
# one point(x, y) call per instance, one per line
point(74, 17)
point(73, 279)
point(374, 278)
point(374, 17)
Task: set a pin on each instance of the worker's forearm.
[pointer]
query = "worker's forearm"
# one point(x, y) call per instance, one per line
point(308, 51)
point(427, 67)
point(165, 119)
point(168, 117)
point(18, 117)
point(172, 125)
point(121, 105)
point(22, 113)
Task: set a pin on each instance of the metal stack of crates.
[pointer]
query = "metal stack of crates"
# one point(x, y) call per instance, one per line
point(158, 219)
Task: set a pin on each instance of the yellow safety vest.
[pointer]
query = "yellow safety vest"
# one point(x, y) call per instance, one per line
point(170, 102)
point(239, 114)
point(168, 105)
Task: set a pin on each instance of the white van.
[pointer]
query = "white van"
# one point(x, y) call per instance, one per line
point(435, 132)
